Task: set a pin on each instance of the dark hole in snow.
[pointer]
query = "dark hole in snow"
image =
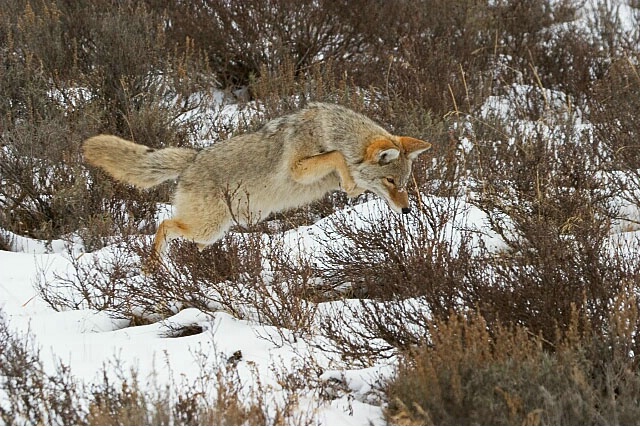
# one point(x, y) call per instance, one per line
point(179, 331)
point(234, 358)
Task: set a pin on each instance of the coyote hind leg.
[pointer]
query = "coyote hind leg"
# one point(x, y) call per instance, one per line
point(168, 230)
point(201, 229)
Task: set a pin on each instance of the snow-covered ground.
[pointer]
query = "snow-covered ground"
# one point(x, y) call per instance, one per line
point(87, 340)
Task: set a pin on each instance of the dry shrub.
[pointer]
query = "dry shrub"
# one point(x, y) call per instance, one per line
point(397, 287)
point(243, 40)
point(544, 195)
point(124, 404)
point(400, 270)
point(446, 56)
point(614, 107)
point(471, 373)
point(249, 275)
point(29, 395)
point(71, 71)
point(94, 284)
point(113, 280)
point(215, 398)
point(219, 397)
point(403, 49)
point(419, 68)
point(542, 188)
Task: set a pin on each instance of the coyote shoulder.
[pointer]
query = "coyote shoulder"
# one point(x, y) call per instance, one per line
point(291, 161)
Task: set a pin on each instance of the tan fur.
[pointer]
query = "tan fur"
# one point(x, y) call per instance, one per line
point(136, 164)
point(291, 161)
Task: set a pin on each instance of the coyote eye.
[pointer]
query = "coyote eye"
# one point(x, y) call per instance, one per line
point(391, 181)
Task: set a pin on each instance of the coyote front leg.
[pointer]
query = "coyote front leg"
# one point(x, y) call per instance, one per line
point(311, 169)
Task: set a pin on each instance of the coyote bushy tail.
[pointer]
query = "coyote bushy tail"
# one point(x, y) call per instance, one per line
point(136, 164)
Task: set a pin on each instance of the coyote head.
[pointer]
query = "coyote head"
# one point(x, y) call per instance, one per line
point(386, 168)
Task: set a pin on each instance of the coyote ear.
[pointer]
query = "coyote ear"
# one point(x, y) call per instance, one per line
point(413, 147)
point(388, 155)
point(381, 151)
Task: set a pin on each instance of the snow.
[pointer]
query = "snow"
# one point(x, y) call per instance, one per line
point(87, 340)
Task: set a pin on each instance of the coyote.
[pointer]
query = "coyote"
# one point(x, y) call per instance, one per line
point(291, 161)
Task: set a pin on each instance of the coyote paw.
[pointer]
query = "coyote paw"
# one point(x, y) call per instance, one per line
point(348, 184)
point(351, 188)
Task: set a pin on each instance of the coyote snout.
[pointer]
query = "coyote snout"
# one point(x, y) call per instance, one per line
point(291, 161)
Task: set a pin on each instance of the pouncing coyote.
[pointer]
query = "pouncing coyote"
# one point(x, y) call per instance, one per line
point(291, 161)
